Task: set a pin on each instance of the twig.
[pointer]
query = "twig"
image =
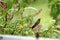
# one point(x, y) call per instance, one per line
point(36, 13)
point(37, 35)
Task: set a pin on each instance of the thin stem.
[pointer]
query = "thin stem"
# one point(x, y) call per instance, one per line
point(5, 20)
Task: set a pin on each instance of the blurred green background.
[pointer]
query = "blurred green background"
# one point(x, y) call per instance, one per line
point(20, 15)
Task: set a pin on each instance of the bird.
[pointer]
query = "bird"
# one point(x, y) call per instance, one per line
point(36, 23)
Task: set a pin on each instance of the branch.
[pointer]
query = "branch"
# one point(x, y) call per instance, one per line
point(36, 13)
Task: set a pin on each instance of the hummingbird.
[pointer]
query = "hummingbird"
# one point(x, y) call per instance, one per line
point(36, 23)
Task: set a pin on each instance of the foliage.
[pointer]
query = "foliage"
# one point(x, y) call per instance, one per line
point(13, 22)
point(55, 9)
